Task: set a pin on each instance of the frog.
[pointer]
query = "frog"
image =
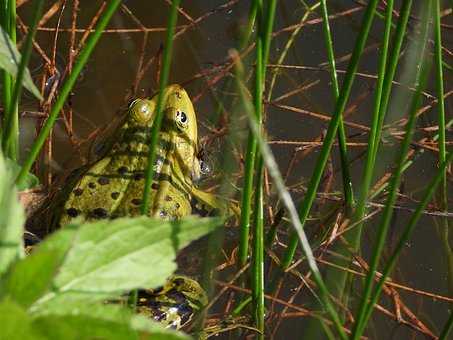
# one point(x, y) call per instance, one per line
point(112, 186)
point(179, 290)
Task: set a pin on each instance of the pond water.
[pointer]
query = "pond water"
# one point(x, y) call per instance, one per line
point(295, 121)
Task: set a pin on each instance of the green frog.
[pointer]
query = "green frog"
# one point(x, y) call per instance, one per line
point(113, 186)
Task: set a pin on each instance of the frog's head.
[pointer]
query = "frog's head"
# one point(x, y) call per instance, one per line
point(179, 113)
point(180, 122)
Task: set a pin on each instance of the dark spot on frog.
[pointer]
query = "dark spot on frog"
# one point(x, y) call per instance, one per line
point(154, 186)
point(178, 282)
point(72, 212)
point(115, 195)
point(136, 201)
point(177, 205)
point(168, 198)
point(78, 192)
point(91, 185)
point(103, 181)
point(178, 95)
point(138, 176)
point(100, 213)
point(122, 170)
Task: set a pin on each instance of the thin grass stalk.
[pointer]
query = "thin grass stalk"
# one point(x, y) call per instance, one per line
point(335, 280)
point(247, 190)
point(407, 232)
point(66, 89)
point(448, 326)
point(347, 183)
point(285, 197)
point(7, 78)
point(258, 249)
point(442, 139)
point(391, 70)
point(164, 74)
point(332, 129)
point(420, 80)
point(382, 81)
point(11, 135)
point(287, 47)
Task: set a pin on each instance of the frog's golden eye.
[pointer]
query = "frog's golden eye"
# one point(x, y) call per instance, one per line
point(181, 119)
point(141, 110)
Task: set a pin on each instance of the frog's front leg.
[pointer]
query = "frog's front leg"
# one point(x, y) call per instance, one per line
point(207, 204)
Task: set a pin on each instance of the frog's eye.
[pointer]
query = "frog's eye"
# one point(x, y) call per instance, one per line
point(181, 119)
point(141, 110)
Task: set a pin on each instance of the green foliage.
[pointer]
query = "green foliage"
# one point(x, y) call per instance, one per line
point(10, 59)
point(30, 180)
point(59, 291)
point(11, 219)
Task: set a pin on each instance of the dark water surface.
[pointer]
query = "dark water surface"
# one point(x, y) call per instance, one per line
point(106, 87)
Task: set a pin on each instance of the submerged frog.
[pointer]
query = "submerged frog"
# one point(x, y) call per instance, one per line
point(113, 186)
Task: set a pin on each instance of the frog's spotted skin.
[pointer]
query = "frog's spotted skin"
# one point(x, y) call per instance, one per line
point(175, 303)
point(113, 186)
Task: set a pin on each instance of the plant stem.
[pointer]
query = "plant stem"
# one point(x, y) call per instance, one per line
point(164, 74)
point(11, 135)
point(332, 129)
point(66, 89)
point(420, 70)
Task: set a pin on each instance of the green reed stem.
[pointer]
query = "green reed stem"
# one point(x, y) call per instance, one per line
point(8, 11)
point(332, 129)
point(263, 39)
point(247, 190)
point(164, 74)
point(407, 232)
point(258, 249)
point(285, 197)
point(445, 231)
point(384, 85)
point(11, 135)
point(347, 183)
point(66, 89)
point(448, 326)
point(420, 79)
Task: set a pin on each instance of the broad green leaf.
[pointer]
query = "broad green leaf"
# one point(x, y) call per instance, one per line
point(30, 180)
point(10, 60)
point(15, 323)
point(32, 277)
point(124, 254)
point(101, 321)
point(108, 258)
point(12, 218)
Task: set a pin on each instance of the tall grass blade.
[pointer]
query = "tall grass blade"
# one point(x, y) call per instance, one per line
point(347, 182)
point(66, 89)
point(11, 132)
point(420, 69)
point(285, 197)
point(332, 129)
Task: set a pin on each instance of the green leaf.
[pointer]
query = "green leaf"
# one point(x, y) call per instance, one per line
point(108, 258)
point(102, 321)
point(120, 255)
point(10, 60)
point(32, 277)
point(12, 219)
point(30, 180)
point(15, 323)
